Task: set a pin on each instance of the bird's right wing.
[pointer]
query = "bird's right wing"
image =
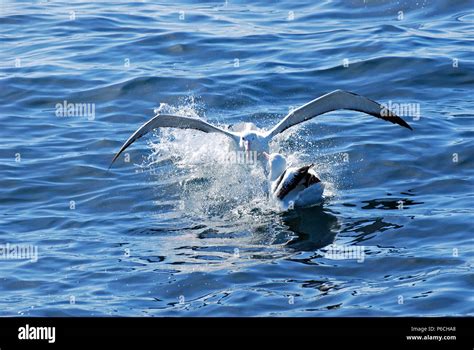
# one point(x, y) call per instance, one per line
point(173, 121)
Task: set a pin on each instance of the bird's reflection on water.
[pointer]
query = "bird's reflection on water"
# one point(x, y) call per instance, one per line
point(219, 244)
point(317, 227)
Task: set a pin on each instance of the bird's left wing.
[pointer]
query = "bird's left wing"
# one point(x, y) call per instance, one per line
point(333, 101)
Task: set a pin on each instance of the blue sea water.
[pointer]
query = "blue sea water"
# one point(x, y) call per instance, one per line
point(174, 231)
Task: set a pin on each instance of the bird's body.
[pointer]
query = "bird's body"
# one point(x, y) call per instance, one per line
point(259, 140)
point(292, 187)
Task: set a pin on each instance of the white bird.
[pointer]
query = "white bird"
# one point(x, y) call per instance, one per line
point(258, 140)
point(293, 187)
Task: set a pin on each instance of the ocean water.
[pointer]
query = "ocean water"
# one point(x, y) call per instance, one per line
point(171, 230)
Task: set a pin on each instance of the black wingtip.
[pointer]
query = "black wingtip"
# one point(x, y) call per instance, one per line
point(404, 124)
point(393, 118)
point(108, 169)
point(112, 162)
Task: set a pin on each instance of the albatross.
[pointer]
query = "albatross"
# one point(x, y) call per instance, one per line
point(292, 187)
point(259, 140)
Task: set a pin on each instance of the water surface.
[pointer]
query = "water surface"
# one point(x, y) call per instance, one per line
point(174, 232)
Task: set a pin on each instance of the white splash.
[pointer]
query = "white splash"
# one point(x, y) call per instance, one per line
point(211, 188)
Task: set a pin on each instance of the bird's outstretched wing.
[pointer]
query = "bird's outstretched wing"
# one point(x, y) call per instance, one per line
point(333, 101)
point(173, 121)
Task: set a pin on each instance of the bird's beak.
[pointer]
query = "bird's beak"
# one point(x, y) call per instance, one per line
point(266, 155)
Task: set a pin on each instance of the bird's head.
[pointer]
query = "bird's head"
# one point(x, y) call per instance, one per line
point(276, 164)
point(248, 141)
point(254, 141)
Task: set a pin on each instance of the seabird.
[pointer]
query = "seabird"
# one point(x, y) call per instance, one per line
point(258, 140)
point(293, 187)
